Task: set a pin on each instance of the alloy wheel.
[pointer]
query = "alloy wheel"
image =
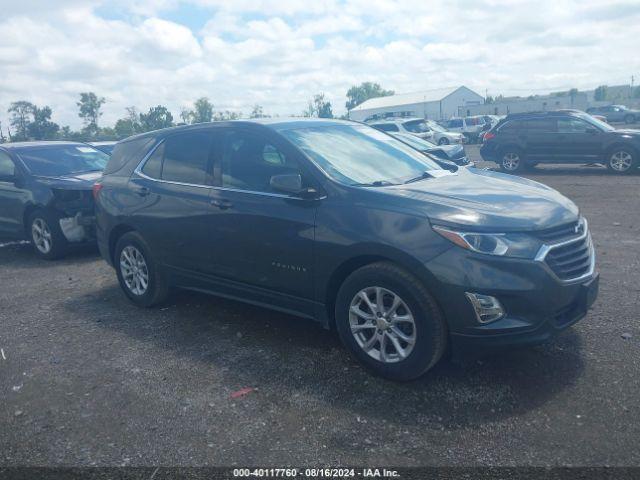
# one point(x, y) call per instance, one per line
point(621, 161)
point(511, 161)
point(382, 324)
point(134, 270)
point(41, 234)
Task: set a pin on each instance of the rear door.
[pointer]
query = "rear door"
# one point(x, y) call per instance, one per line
point(12, 198)
point(541, 139)
point(173, 210)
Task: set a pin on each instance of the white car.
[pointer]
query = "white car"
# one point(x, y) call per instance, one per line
point(426, 129)
point(470, 127)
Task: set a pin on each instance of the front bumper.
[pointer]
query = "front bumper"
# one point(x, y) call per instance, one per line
point(537, 305)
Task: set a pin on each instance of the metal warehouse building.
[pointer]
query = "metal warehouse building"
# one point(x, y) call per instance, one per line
point(439, 104)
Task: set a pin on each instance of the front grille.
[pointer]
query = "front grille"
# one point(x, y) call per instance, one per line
point(561, 232)
point(572, 260)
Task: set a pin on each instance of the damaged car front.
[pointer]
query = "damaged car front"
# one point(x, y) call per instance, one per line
point(49, 199)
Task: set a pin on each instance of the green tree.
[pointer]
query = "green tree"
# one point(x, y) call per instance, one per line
point(21, 113)
point(226, 115)
point(42, 128)
point(322, 107)
point(129, 125)
point(202, 111)
point(156, 118)
point(600, 93)
point(257, 112)
point(366, 90)
point(90, 106)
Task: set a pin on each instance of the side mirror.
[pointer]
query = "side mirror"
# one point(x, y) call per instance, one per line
point(447, 164)
point(288, 183)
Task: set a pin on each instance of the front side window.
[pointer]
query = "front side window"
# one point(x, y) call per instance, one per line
point(387, 127)
point(7, 168)
point(360, 155)
point(454, 124)
point(541, 125)
point(182, 158)
point(416, 126)
point(572, 125)
point(249, 161)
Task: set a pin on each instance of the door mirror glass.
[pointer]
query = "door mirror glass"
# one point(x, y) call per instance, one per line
point(287, 183)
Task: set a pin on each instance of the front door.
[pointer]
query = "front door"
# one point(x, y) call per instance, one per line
point(264, 238)
point(582, 141)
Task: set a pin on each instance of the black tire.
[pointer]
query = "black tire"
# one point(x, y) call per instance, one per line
point(443, 141)
point(157, 288)
point(51, 243)
point(508, 156)
point(629, 119)
point(429, 328)
point(621, 160)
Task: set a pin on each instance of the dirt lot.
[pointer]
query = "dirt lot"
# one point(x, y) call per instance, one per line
point(88, 379)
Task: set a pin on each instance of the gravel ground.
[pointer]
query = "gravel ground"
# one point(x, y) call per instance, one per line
point(88, 379)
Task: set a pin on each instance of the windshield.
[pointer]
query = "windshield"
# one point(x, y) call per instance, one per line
point(435, 127)
point(60, 160)
point(598, 123)
point(360, 155)
point(416, 142)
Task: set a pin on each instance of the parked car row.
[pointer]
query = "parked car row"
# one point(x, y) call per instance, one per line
point(427, 129)
point(616, 113)
point(328, 220)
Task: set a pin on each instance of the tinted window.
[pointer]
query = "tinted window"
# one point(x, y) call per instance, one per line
point(541, 125)
point(356, 154)
point(182, 158)
point(572, 125)
point(249, 161)
point(454, 123)
point(62, 160)
point(510, 126)
point(387, 127)
point(416, 126)
point(128, 151)
point(7, 168)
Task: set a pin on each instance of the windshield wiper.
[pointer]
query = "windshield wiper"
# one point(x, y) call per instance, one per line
point(377, 183)
point(422, 176)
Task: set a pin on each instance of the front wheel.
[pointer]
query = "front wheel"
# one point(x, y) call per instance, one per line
point(443, 141)
point(621, 160)
point(47, 238)
point(141, 279)
point(390, 322)
point(512, 161)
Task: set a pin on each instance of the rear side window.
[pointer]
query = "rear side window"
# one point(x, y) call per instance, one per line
point(454, 123)
point(416, 126)
point(7, 168)
point(127, 153)
point(387, 127)
point(183, 158)
point(572, 125)
point(510, 126)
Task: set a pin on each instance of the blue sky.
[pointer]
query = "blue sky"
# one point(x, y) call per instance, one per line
point(279, 53)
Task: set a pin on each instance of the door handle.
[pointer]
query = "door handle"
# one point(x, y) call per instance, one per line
point(142, 191)
point(221, 204)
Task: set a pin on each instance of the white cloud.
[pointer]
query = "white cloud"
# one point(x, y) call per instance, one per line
point(280, 52)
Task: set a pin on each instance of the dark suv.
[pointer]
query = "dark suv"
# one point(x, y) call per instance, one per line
point(343, 224)
point(524, 140)
point(45, 194)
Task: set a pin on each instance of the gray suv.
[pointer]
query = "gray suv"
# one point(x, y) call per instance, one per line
point(345, 225)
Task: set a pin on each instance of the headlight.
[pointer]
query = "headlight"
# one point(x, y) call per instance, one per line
point(503, 244)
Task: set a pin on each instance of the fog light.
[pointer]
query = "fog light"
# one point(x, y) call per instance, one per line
point(487, 308)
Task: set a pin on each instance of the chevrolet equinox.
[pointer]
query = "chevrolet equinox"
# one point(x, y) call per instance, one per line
point(343, 224)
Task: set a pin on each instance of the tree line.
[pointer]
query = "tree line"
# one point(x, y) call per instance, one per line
point(28, 121)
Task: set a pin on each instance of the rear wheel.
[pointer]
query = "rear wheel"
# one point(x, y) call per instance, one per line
point(621, 160)
point(140, 277)
point(390, 322)
point(46, 236)
point(512, 160)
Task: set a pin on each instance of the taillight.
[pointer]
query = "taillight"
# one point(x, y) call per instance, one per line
point(96, 190)
point(488, 136)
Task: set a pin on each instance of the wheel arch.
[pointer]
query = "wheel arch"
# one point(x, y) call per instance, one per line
point(115, 234)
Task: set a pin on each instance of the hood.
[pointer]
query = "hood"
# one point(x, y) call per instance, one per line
point(75, 181)
point(485, 201)
point(627, 132)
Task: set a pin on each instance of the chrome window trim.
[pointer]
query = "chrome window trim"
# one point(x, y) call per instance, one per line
point(546, 248)
point(138, 172)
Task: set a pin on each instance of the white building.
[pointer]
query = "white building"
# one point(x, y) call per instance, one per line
point(439, 104)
